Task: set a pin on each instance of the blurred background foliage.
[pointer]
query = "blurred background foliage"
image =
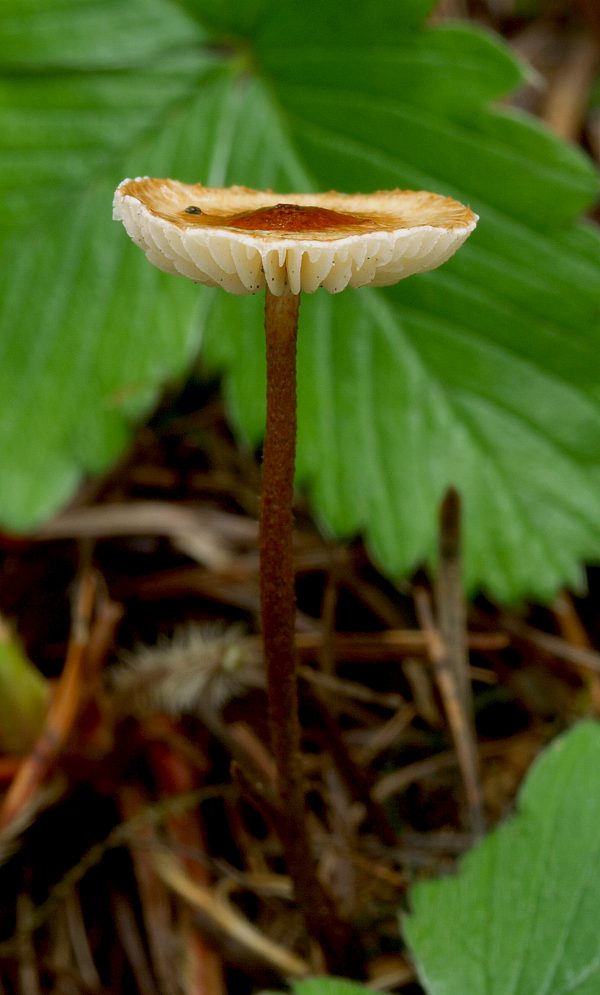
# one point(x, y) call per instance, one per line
point(483, 375)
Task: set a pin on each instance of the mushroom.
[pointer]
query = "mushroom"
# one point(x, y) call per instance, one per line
point(243, 240)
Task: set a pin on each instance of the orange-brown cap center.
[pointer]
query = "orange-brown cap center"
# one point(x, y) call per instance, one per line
point(283, 218)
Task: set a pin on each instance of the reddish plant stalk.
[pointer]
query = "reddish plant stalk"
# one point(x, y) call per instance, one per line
point(278, 624)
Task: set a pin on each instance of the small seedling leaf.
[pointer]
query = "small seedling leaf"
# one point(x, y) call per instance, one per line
point(325, 986)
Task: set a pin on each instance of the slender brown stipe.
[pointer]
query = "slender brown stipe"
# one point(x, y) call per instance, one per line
point(278, 621)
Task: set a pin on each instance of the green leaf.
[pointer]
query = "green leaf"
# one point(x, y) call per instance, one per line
point(483, 374)
point(325, 986)
point(521, 915)
point(24, 695)
point(87, 35)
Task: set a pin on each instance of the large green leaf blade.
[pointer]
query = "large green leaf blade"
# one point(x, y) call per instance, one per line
point(85, 34)
point(71, 381)
point(454, 377)
point(520, 916)
point(519, 345)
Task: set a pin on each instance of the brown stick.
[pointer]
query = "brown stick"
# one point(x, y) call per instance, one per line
point(63, 708)
point(568, 94)
point(449, 652)
point(278, 623)
point(355, 778)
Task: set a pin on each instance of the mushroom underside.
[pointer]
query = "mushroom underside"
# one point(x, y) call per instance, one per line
point(243, 264)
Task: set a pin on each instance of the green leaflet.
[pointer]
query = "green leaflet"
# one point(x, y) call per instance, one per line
point(24, 696)
point(520, 916)
point(325, 986)
point(483, 374)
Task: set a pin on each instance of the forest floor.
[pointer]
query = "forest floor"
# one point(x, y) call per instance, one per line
point(140, 844)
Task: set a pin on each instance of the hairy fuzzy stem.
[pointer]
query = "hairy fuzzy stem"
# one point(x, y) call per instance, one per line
point(278, 622)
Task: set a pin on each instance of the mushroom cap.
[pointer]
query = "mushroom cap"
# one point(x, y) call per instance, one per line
point(240, 239)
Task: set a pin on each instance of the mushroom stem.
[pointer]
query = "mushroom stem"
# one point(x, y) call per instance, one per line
point(278, 625)
point(276, 544)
